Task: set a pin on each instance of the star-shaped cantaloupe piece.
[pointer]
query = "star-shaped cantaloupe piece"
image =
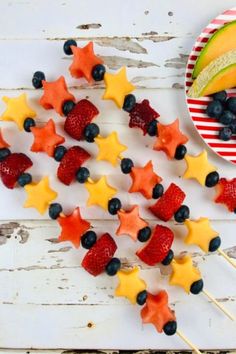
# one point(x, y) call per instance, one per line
point(72, 227)
point(184, 274)
point(55, 95)
point(17, 110)
point(156, 310)
point(198, 167)
point(130, 222)
point(169, 138)
point(100, 192)
point(83, 62)
point(144, 180)
point(3, 143)
point(130, 284)
point(110, 148)
point(46, 138)
point(39, 195)
point(226, 193)
point(200, 233)
point(117, 87)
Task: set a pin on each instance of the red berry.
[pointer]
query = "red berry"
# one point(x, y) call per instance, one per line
point(169, 203)
point(70, 163)
point(12, 167)
point(226, 193)
point(157, 248)
point(99, 255)
point(141, 115)
point(81, 115)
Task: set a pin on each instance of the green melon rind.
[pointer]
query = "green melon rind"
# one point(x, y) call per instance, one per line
point(210, 72)
point(197, 69)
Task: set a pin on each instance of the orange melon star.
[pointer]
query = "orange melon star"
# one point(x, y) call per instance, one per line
point(156, 310)
point(169, 138)
point(72, 227)
point(46, 139)
point(144, 180)
point(83, 62)
point(130, 222)
point(55, 95)
point(3, 143)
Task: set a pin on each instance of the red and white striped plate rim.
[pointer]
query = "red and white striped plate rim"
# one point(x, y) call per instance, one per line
point(209, 128)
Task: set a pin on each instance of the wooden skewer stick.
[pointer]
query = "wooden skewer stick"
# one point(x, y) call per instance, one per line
point(226, 312)
point(187, 341)
point(226, 257)
point(90, 180)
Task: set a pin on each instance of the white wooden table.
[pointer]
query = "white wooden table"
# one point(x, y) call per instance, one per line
point(46, 300)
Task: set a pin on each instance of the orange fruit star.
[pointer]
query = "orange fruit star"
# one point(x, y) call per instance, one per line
point(144, 180)
point(83, 62)
point(46, 139)
point(130, 222)
point(156, 310)
point(55, 95)
point(72, 227)
point(3, 143)
point(169, 138)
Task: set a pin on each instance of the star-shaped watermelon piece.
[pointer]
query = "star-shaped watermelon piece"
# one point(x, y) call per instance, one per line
point(3, 143)
point(130, 222)
point(226, 193)
point(141, 115)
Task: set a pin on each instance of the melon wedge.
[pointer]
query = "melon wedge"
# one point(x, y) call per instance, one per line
point(219, 75)
point(221, 42)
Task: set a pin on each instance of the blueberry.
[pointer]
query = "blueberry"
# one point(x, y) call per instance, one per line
point(157, 191)
point(226, 118)
point(196, 287)
point(37, 79)
point(90, 132)
point(141, 297)
point(126, 165)
point(212, 179)
point(144, 234)
point(88, 239)
point(182, 213)
point(24, 179)
point(170, 328)
point(98, 72)
point(231, 104)
point(168, 259)
point(220, 96)
point(67, 44)
point(232, 126)
point(152, 128)
point(113, 266)
point(129, 103)
point(82, 174)
point(4, 152)
point(28, 124)
point(214, 244)
point(214, 109)
point(180, 152)
point(59, 152)
point(225, 134)
point(67, 107)
point(55, 210)
point(114, 205)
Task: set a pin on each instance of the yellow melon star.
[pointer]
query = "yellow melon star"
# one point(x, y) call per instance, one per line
point(130, 284)
point(100, 192)
point(109, 148)
point(17, 110)
point(40, 195)
point(200, 233)
point(184, 273)
point(117, 87)
point(198, 167)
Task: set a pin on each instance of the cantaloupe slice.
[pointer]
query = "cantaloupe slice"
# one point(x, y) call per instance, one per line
point(221, 42)
point(219, 75)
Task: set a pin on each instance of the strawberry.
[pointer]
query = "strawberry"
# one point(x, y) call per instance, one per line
point(169, 203)
point(99, 255)
point(141, 115)
point(226, 193)
point(70, 163)
point(158, 246)
point(81, 115)
point(12, 167)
